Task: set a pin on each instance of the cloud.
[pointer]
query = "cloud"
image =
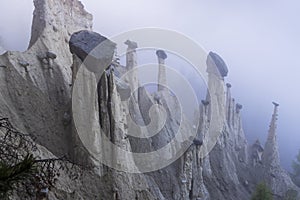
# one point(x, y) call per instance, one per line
point(15, 26)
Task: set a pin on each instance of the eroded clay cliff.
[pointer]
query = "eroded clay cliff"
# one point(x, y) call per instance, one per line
point(36, 88)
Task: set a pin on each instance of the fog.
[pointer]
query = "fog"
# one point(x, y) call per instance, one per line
point(259, 40)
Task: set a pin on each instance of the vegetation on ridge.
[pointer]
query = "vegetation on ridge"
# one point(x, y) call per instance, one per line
point(20, 171)
point(296, 170)
point(262, 193)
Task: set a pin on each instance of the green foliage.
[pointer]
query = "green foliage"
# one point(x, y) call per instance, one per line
point(20, 172)
point(296, 170)
point(296, 165)
point(12, 176)
point(262, 193)
point(291, 195)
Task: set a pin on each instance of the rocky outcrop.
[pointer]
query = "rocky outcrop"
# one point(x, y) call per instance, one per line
point(57, 20)
point(36, 83)
point(40, 87)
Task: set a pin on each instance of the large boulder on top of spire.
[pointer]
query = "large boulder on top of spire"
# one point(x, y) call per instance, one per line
point(95, 50)
point(219, 63)
point(161, 54)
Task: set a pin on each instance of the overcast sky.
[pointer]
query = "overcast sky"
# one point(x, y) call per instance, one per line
point(259, 40)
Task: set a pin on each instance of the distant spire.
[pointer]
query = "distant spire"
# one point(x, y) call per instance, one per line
point(217, 63)
point(271, 154)
point(238, 107)
point(131, 45)
point(275, 104)
point(162, 79)
point(273, 124)
point(131, 64)
point(228, 104)
point(131, 57)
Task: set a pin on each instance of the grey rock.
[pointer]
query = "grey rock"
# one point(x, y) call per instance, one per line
point(95, 50)
point(197, 142)
point(228, 85)
point(23, 63)
point(51, 55)
point(219, 62)
point(67, 118)
point(205, 102)
point(157, 98)
point(238, 107)
point(275, 104)
point(42, 57)
point(131, 44)
point(161, 54)
point(258, 146)
point(123, 89)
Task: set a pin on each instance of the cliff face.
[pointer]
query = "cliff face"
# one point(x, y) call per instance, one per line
point(38, 91)
point(35, 85)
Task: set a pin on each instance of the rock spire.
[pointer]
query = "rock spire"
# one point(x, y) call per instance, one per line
point(271, 153)
point(162, 79)
point(131, 64)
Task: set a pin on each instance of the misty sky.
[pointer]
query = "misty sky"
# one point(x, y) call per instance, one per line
point(259, 40)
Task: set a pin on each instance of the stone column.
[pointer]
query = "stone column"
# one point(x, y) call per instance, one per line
point(238, 107)
point(216, 95)
point(272, 129)
point(205, 105)
point(228, 104)
point(162, 76)
point(271, 153)
point(131, 63)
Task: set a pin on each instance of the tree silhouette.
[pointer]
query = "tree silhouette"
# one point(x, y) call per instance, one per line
point(262, 193)
point(20, 171)
point(296, 170)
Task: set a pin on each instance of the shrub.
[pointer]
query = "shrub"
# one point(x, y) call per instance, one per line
point(262, 193)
